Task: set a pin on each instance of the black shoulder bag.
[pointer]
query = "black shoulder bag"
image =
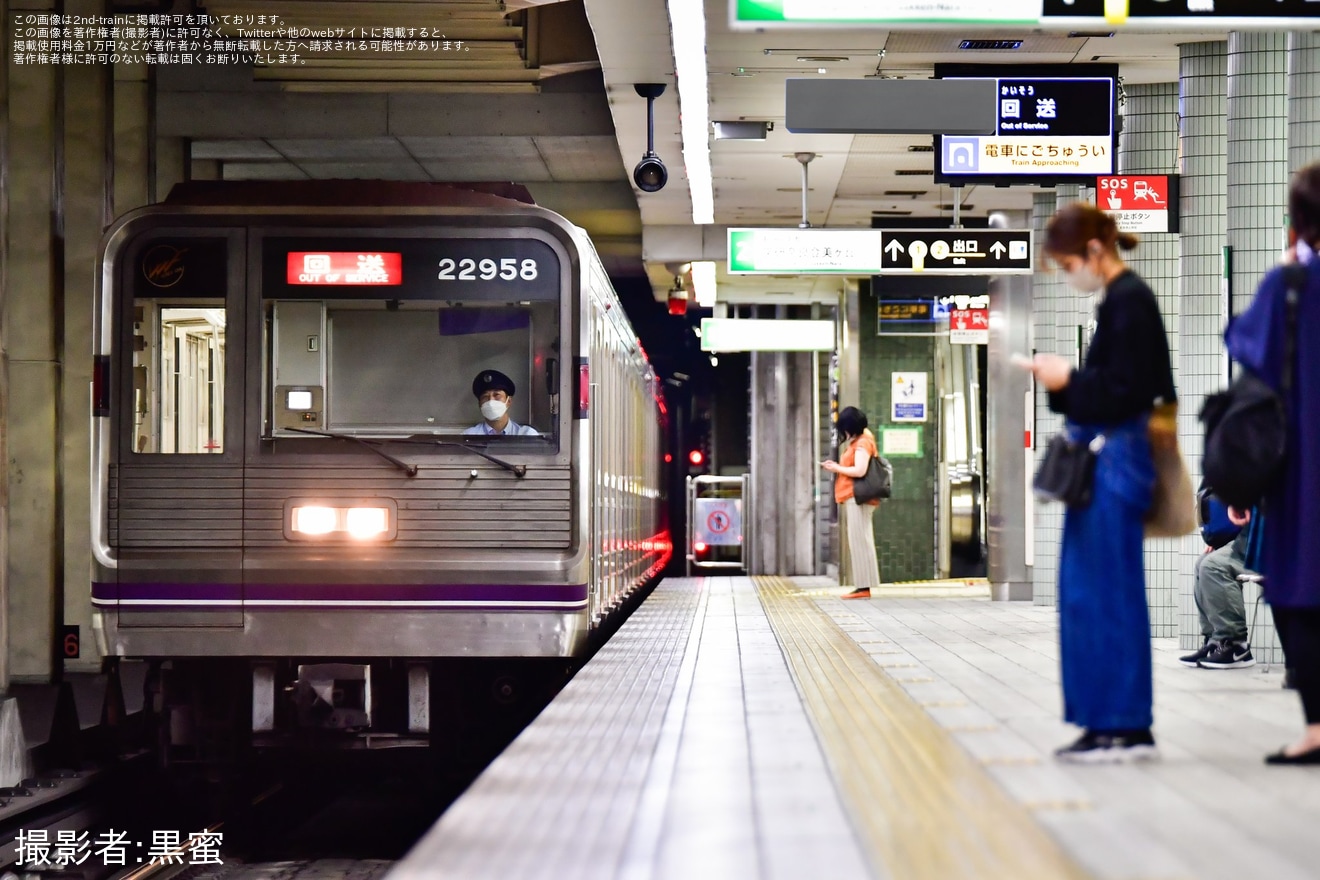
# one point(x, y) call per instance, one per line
point(1246, 426)
point(877, 483)
point(1067, 473)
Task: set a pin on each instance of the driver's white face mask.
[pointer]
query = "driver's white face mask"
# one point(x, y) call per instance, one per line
point(493, 409)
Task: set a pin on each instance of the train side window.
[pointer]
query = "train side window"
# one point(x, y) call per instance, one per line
point(178, 376)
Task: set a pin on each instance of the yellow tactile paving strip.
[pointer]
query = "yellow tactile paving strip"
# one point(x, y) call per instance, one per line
point(923, 808)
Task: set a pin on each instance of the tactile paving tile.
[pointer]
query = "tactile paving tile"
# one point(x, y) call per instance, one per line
point(924, 806)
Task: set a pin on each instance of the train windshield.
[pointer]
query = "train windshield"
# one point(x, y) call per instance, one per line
point(413, 339)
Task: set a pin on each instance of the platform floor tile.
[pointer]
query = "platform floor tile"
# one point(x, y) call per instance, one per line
point(1208, 809)
point(680, 751)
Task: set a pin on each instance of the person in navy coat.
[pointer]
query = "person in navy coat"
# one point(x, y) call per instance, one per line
point(1289, 552)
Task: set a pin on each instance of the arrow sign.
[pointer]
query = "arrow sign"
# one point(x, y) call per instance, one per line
point(957, 252)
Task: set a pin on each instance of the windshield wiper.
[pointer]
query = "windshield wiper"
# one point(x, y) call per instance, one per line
point(409, 469)
point(518, 470)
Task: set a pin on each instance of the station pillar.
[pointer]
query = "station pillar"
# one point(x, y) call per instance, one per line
point(1149, 145)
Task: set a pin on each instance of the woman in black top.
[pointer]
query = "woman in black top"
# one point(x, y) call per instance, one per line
point(1104, 626)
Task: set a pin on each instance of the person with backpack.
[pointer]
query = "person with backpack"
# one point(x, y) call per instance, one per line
point(858, 450)
point(1104, 622)
point(1274, 340)
point(1218, 592)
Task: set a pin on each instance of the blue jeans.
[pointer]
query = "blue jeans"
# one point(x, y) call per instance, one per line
point(1104, 625)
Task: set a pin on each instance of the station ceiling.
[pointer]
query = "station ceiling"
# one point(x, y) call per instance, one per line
point(541, 93)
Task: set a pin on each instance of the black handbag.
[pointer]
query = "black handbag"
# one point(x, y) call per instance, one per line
point(1067, 473)
point(877, 483)
point(1246, 426)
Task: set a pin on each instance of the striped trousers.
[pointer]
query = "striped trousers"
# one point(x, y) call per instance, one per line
point(861, 544)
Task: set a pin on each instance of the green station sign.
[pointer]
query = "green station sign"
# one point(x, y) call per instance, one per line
point(882, 13)
point(804, 251)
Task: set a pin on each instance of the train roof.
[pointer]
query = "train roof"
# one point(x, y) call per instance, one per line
point(348, 194)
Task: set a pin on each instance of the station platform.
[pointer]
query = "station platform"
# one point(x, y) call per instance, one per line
point(763, 727)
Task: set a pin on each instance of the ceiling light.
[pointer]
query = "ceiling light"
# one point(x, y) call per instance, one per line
point(1096, 34)
point(821, 70)
point(821, 59)
point(921, 148)
point(703, 283)
point(687, 22)
point(741, 131)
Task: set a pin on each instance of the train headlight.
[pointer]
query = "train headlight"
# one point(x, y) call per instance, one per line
point(315, 520)
point(367, 522)
point(334, 519)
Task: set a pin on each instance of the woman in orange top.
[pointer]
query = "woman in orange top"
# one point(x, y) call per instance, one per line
point(858, 448)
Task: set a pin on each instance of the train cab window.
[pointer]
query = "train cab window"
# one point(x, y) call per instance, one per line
point(178, 376)
point(390, 368)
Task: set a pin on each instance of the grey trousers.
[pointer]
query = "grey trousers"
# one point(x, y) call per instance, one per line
point(1219, 595)
point(861, 544)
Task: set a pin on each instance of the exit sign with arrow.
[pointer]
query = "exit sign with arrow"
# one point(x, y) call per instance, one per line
point(957, 252)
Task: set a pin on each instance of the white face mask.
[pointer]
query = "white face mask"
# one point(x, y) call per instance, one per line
point(494, 409)
point(1085, 280)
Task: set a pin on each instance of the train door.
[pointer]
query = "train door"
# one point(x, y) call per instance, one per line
point(175, 481)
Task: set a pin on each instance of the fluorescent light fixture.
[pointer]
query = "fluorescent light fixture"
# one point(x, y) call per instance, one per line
point(740, 131)
point(687, 22)
point(703, 282)
point(753, 334)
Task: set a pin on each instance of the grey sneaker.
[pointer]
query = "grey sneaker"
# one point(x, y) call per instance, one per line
point(1229, 655)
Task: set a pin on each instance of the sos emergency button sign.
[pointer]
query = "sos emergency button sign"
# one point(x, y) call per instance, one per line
point(1140, 203)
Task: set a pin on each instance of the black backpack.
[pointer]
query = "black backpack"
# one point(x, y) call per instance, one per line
point(1246, 426)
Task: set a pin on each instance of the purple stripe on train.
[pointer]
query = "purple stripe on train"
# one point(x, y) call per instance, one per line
point(218, 595)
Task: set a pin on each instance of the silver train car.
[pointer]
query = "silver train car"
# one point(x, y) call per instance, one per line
point(295, 507)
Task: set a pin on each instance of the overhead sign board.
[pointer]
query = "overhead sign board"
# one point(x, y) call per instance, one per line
point(763, 334)
point(1182, 14)
point(803, 251)
point(879, 251)
point(1140, 203)
point(746, 14)
point(889, 106)
point(1048, 128)
point(957, 252)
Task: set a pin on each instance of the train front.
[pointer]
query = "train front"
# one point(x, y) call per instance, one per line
point(298, 467)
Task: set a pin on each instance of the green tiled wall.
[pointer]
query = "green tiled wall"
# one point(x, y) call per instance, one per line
point(905, 524)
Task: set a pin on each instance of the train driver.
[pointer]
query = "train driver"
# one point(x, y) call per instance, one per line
point(494, 391)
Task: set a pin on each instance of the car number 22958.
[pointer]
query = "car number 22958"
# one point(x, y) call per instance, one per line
point(507, 269)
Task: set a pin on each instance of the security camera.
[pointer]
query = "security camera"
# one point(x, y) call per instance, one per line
point(650, 174)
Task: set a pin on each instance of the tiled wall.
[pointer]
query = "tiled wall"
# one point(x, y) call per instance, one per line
point(1059, 311)
point(904, 527)
point(1203, 70)
point(1257, 158)
point(1149, 145)
point(1303, 99)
